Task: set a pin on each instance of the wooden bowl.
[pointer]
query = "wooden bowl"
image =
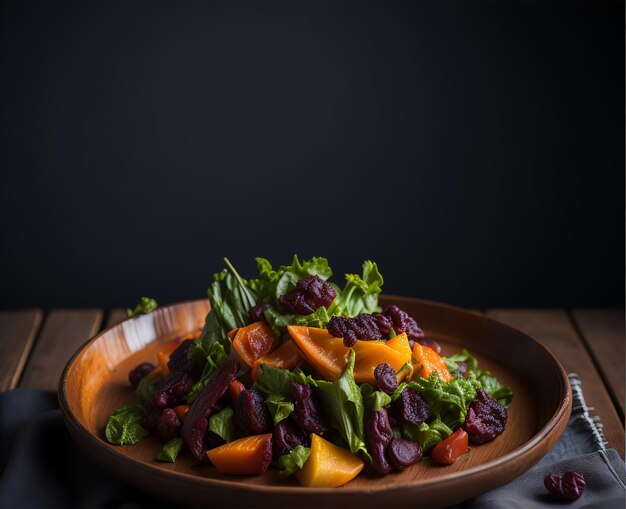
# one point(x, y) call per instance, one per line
point(94, 383)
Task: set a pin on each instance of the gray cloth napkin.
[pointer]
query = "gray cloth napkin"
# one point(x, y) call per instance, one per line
point(40, 466)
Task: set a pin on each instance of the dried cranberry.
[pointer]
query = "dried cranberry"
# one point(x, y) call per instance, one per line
point(179, 363)
point(568, 487)
point(378, 434)
point(403, 453)
point(306, 413)
point(257, 313)
point(287, 437)
point(402, 322)
point(172, 391)
point(383, 322)
point(485, 418)
point(386, 378)
point(139, 373)
point(251, 415)
point(310, 294)
point(430, 344)
point(362, 327)
point(196, 423)
point(411, 407)
point(169, 424)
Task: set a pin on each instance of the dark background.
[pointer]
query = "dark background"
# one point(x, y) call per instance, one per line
point(474, 150)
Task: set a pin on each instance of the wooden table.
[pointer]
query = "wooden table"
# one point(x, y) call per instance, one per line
point(34, 348)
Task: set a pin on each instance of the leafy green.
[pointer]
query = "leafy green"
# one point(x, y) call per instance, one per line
point(223, 423)
point(231, 299)
point(494, 388)
point(427, 435)
point(124, 425)
point(294, 461)
point(360, 294)
point(277, 381)
point(343, 404)
point(170, 450)
point(374, 400)
point(448, 401)
point(279, 321)
point(146, 388)
point(279, 407)
point(489, 383)
point(146, 305)
point(215, 357)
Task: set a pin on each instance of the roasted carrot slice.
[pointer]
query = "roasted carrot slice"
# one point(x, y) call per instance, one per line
point(369, 354)
point(328, 465)
point(181, 412)
point(255, 341)
point(164, 356)
point(449, 449)
point(236, 388)
point(286, 356)
point(246, 456)
point(428, 361)
point(325, 353)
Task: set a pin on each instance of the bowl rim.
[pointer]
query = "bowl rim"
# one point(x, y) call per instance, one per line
point(527, 448)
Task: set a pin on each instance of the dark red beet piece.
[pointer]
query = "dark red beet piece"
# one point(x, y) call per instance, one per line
point(386, 378)
point(195, 425)
point(310, 294)
point(179, 363)
point(306, 413)
point(287, 437)
point(485, 419)
point(257, 313)
point(139, 373)
point(568, 487)
point(169, 424)
point(362, 327)
point(172, 391)
point(251, 415)
point(378, 434)
point(403, 322)
point(410, 407)
point(403, 453)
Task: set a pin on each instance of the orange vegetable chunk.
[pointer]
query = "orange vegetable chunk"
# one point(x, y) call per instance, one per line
point(246, 456)
point(325, 353)
point(328, 465)
point(164, 356)
point(428, 361)
point(286, 356)
point(370, 354)
point(236, 388)
point(400, 344)
point(181, 412)
point(255, 341)
point(448, 450)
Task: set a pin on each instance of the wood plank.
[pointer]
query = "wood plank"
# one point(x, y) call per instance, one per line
point(116, 315)
point(603, 332)
point(555, 330)
point(63, 332)
point(18, 330)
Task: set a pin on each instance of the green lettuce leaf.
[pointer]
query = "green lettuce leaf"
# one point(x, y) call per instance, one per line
point(146, 388)
point(277, 381)
point(146, 305)
point(170, 450)
point(124, 425)
point(223, 423)
point(360, 294)
point(427, 435)
point(214, 359)
point(279, 321)
point(279, 407)
point(294, 461)
point(374, 400)
point(343, 404)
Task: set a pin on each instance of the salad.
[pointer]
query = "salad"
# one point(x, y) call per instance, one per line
point(293, 372)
